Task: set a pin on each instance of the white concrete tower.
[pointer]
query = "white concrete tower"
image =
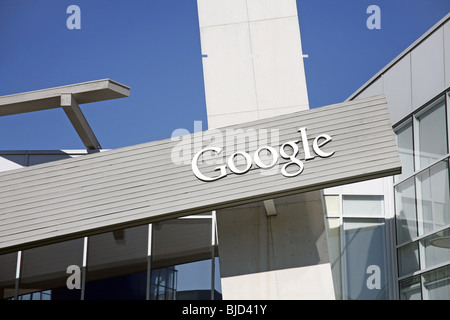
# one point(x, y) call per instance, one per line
point(253, 69)
point(253, 60)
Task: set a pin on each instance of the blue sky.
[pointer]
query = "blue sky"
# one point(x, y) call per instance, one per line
point(153, 46)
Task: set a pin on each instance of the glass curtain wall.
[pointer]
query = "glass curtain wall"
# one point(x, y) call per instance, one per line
point(169, 260)
point(422, 200)
point(8, 265)
point(357, 241)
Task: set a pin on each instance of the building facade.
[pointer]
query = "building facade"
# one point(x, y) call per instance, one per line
point(263, 239)
point(398, 218)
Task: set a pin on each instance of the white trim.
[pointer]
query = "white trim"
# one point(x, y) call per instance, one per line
point(19, 261)
point(399, 57)
point(150, 234)
point(85, 249)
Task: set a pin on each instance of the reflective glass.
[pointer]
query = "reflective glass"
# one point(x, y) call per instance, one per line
point(433, 201)
point(179, 241)
point(436, 284)
point(432, 134)
point(410, 289)
point(408, 259)
point(183, 247)
point(44, 271)
point(433, 254)
point(405, 211)
point(405, 149)
point(7, 275)
point(189, 281)
point(365, 259)
point(117, 265)
point(163, 283)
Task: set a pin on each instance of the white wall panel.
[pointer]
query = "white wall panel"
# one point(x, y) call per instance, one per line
point(278, 62)
point(228, 69)
point(446, 31)
point(223, 120)
point(397, 89)
point(219, 12)
point(427, 61)
point(375, 88)
point(270, 9)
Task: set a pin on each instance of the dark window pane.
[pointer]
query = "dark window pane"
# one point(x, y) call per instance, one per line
point(189, 281)
point(117, 264)
point(45, 268)
point(180, 241)
point(7, 275)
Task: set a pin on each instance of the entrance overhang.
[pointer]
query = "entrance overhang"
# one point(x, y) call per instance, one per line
point(346, 143)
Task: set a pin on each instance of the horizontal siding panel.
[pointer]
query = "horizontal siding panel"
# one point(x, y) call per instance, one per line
point(65, 173)
point(58, 201)
point(128, 152)
point(140, 183)
point(93, 175)
point(85, 208)
point(95, 203)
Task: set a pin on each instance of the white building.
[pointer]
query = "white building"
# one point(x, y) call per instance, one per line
point(139, 226)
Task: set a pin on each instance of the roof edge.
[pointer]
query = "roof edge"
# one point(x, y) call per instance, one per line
point(400, 56)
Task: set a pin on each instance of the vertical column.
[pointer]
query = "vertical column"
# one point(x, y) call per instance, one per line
point(253, 60)
point(253, 69)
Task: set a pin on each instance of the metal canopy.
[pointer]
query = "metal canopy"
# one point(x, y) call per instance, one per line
point(68, 97)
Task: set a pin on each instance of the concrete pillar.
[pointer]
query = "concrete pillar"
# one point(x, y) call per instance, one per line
point(253, 69)
point(283, 256)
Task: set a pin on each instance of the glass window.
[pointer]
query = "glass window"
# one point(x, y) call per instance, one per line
point(433, 198)
point(365, 259)
point(184, 246)
point(117, 265)
point(405, 149)
point(405, 211)
point(44, 273)
point(163, 283)
point(432, 134)
point(436, 284)
point(194, 281)
point(410, 289)
point(433, 254)
point(179, 241)
point(362, 206)
point(7, 275)
point(408, 259)
point(334, 238)
point(190, 281)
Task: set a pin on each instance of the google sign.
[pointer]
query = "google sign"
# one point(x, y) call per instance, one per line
point(256, 160)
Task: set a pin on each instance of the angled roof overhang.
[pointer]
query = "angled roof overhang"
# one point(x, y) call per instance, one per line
point(154, 181)
point(69, 98)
